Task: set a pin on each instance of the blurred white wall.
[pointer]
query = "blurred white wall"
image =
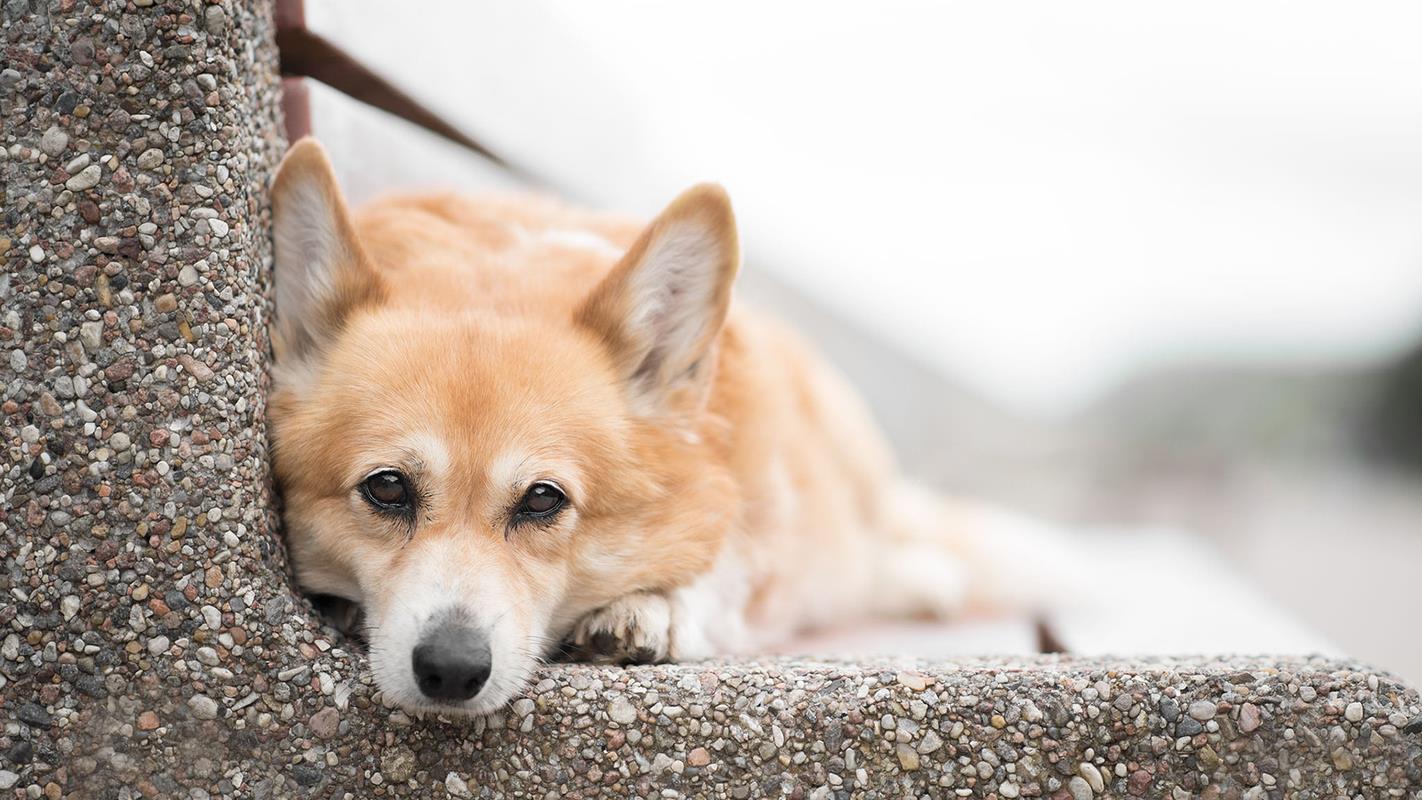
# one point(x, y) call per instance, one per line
point(1036, 198)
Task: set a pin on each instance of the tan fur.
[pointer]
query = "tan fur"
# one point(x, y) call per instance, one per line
point(753, 477)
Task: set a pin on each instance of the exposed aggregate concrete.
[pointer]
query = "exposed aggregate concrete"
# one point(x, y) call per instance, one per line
point(151, 644)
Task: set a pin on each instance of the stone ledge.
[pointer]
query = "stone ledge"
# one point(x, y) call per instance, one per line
point(1014, 727)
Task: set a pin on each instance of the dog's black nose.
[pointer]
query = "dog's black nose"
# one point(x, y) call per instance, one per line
point(452, 663)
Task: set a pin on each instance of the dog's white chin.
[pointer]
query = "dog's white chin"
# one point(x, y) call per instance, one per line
point(476, 707)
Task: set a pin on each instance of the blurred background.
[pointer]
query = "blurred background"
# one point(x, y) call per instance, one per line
point(1150, 273)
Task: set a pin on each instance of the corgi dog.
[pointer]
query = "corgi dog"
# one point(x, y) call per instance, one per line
point(504, 427)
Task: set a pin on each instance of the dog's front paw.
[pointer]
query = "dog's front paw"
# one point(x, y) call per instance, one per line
point(635, 629)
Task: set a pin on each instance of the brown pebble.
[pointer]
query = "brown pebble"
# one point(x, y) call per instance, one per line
point(147, 721)
point(912, 680)
point(1249, 717)
point(49, 405)
point(1139, 783)
point(325, 723)
point(119, 371)
point(166, 302)
point(698, 757)
point(195, 368)
point(213, 577)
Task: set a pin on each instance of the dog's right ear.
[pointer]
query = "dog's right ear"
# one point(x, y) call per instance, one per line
point(322, 274)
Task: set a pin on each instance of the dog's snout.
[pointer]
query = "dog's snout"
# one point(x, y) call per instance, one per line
point(452, 663)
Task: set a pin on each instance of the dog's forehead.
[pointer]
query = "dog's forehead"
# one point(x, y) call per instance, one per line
point(474, 398)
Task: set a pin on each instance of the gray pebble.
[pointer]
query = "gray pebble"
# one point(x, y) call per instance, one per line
point(1203, 710)
point(215, 20)
point(52, 144)
point(621, 711)
point(91, 335)
point(202, 706)
point(150, 158)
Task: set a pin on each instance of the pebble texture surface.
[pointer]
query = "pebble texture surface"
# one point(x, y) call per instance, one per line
point(151, 644)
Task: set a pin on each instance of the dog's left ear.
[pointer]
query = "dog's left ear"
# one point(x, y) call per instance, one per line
point(322, 274)
point(661, 308)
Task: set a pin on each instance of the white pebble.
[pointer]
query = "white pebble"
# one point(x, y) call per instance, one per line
point(87, 178)
point(1092, 776)
point(1354, 712)
point(53, 142)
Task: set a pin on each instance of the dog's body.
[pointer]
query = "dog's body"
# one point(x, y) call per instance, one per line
point(449, 369)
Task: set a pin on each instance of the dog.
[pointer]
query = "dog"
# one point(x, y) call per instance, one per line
point(505, 427)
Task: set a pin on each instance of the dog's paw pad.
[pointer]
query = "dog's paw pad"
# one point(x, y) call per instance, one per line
point(635, 629)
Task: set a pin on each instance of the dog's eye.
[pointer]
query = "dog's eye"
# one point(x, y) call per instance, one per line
point(542, 500)
point(387, 489)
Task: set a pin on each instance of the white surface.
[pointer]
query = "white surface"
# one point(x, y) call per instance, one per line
point(1166, 592)
point(1158, 593)
point(1037, 197)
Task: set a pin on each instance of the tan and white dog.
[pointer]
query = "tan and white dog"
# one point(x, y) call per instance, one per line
point(502, 426)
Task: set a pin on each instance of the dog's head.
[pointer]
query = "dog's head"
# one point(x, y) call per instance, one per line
point(480, 480)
